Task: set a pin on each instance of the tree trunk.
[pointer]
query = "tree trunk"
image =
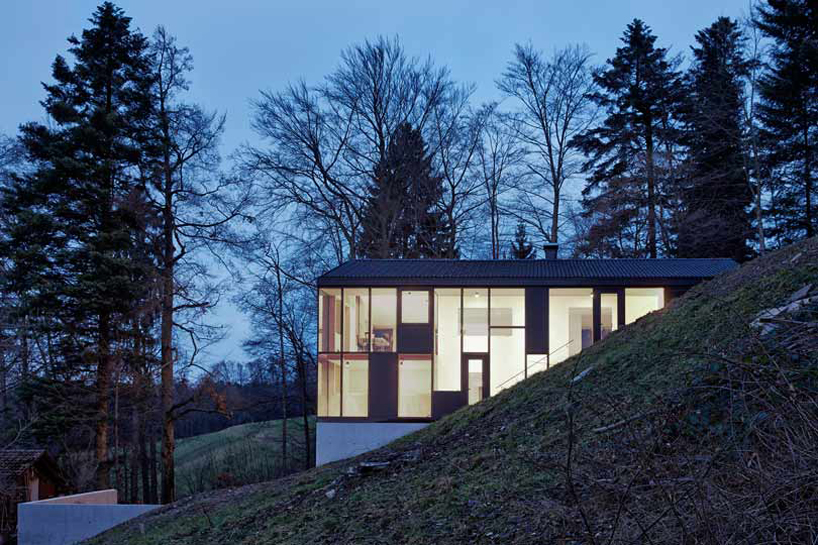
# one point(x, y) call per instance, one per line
point(103, 400)
point(283, 369)
point(305, 411)
point(168, 255)
point(154, 493)
point(651, 190)
point(168, 436)
point(555, 218)
point(808, 183)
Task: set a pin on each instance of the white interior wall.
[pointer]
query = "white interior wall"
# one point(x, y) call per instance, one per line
point(447, 340)
point(641, 301)
point(560, 330)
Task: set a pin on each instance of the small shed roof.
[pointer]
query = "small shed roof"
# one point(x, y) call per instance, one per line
point(517, 272)
point(13, 462)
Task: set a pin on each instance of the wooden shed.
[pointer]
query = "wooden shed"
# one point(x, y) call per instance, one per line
point(25, 475)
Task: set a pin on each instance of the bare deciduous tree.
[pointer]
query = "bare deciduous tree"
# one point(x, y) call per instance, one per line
point(195, 206)
point(325, 140)
point(553, 107)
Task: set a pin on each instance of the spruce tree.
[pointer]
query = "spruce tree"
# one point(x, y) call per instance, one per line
point(639, 92)
point(789, 113)
point(401, 218)
point(72, 245)
point(521, 248)
point(715, 221)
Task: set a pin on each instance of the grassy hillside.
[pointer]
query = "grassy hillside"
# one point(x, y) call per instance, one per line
point(687, 426)
point(247, 453)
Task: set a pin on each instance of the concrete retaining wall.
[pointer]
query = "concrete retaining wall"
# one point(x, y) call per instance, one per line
point(70, 519)
point(339, 440)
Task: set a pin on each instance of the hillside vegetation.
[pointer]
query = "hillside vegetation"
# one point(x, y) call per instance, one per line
point(689, 426)
point(243, 454)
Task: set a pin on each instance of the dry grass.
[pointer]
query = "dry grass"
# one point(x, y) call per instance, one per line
point(690, 427)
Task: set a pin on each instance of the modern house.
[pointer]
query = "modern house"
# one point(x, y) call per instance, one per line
point(403, 342)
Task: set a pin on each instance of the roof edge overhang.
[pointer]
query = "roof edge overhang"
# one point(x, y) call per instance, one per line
point(341, 282)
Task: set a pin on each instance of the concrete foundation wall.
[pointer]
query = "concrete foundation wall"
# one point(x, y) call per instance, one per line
point(339, 440)
point(70, 519)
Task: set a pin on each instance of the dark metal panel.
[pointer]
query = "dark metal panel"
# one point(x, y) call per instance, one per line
point(415, 338)
point(383, 385)
point(536, 312)
point(444, 403)
point(597, 315)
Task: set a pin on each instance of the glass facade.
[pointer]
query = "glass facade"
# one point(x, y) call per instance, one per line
point(329, 385)
point(384, 319)
point(414, 386)
point(451, 339)
point(447, 339)
point(355, 385)
point(570, 322)
point(414, 307)
point(609, 313)
point(356, 320)
point(475, 320)
point(641, 301)
point(329, 320)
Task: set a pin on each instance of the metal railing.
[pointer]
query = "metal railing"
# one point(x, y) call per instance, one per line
point(538, 362)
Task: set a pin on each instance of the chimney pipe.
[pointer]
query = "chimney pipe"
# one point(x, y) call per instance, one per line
point(551, 250)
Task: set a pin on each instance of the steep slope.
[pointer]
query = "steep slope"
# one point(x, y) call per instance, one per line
point(246, 453)
point(687, 426)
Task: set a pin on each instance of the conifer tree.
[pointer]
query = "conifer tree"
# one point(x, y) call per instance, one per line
point(71, 245)
point(789, 113)
point(401, 217)
point(521, 248)
point(639, 92)
point(715, 221)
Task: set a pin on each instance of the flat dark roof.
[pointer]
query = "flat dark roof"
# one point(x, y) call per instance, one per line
point(527, 272)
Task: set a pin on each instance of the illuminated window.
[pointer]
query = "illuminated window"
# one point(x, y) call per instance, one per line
point(570, 322)
point(609, 313)
point(329, 385)
point(384, 318)
point(356, 319)
point(475, 320)
point(356, 385)
point(507, 307)
point(329, 320)
point(415, 307)
point(641, 301)
point(447, 340)
point(536, 363)
point(415, 386)
point(507, 358)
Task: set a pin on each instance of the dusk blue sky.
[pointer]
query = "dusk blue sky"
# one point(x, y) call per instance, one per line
point(240, 47)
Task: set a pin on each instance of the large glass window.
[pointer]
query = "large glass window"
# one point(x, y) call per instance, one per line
point(415, 307)
point(609, 313)
point(507, 307)
point(570, 322)
point(415, 386)
point(475, 380)
point(384, 318)
point(447, 340)
point(356, 319)
point(329, 385)
point(507, 358)
point(535, 363)
point(475, 320)
point(356, 385)
point(641, 301)
point(329, 320)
